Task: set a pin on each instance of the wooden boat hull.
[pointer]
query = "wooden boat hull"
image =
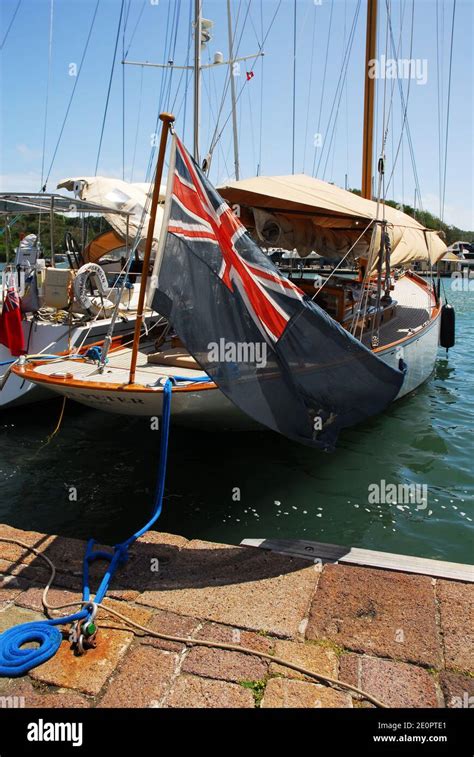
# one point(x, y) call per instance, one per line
point(50, 338)
point(203, 404)
point(207, 405)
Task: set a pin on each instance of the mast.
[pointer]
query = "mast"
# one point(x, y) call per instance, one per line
point(197, 74)
point(167, 119)
point(232, 93)
point(367, 142)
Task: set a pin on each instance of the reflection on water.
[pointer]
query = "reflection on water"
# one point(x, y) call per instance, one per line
point(228, 486)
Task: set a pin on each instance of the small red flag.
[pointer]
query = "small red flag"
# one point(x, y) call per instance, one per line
point(11, 330)
point(250, 75)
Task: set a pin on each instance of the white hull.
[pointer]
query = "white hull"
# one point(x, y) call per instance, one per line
point(209, 407)
point(51, 338)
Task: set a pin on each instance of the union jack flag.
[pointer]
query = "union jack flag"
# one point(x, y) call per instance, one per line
point(215, 285)
point(200, 215)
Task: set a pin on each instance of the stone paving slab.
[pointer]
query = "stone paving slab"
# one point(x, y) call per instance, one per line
point(224, 664)
point(142, 680)
point(397, 684)
point(320, 659)
point(234, 635)
point(171, 624)
point(456, 609)
point(19, 693)
point(192, 691)
point(283, 692)
point(384, 613)
point(458, 689)
point(87, 673)
point(237, 586)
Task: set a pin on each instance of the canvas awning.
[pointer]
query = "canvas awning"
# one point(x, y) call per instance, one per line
point(298, 211)
point(120, 195)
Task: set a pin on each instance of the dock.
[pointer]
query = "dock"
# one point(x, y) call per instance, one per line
point(400, 634)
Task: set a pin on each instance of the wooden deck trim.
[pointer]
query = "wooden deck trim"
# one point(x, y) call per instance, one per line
point(29, 374)
point(333, 553)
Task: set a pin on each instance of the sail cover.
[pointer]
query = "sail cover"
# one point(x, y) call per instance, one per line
point(272, 351)
point(308, 214)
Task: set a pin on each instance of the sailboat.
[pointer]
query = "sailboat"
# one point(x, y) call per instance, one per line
point(64, 309)
point(376, 339)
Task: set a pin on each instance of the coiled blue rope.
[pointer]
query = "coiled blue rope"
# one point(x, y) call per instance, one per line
point(14, 659)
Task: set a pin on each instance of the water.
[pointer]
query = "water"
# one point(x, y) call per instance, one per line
point(286, 490)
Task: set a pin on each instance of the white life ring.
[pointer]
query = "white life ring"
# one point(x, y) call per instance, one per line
point(81, 289)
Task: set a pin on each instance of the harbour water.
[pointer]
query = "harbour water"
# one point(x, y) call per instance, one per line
point(96, 476)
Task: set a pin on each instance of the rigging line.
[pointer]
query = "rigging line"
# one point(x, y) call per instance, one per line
point(294, 90)
point(251, 125)
point(343, 88)
point(448, 104)
point(172, 51)
point(440, 137)
point(254, 29)
point(339, 86)
point(389, 16)
point(311, 65)
point(318, 132)
point(135, 29)
point(138, 123)
point(117, 36)
point(48, 83)
point(123, 88)
point(346, 102)
point(406, 125)
point(164, 79)
point(73, 91)
point(259, 166)
point(409, 140)
point(245, 82)
point(235, 49)
point(164, 74)
point(185, 71)
point(10, 24)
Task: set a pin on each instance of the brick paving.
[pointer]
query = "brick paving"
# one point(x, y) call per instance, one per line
point(405, 639)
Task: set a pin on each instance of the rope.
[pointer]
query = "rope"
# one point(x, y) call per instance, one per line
point(112, 68)
point(56, 429)
point(447, 110)
point(16, 661)
point(157, 634)
point(10, 24)
point(73, 91)
point(48, 82)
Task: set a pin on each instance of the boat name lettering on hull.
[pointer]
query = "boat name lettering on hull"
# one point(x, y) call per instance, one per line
point(105, 399)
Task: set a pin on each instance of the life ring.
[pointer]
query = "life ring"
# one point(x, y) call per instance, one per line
point(92, 304)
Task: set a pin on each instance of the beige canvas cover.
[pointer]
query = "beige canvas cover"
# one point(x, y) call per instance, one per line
point(298, 211)
point(121, 195)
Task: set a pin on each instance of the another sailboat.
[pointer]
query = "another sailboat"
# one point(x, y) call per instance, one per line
point(65, 310)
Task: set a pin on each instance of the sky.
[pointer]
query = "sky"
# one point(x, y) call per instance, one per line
point(324, 82)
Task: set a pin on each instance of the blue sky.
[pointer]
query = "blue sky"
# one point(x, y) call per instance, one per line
point(265, 102)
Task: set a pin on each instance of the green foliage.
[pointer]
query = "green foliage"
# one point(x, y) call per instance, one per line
point(430, 221)
point(257, 688)
point(30, 224)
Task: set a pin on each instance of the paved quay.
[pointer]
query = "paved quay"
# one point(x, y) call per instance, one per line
point(406, 639)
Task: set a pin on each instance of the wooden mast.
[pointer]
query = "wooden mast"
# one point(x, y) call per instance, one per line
point(367, 142)
point(167, 119)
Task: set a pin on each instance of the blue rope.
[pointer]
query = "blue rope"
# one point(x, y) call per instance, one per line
point(16, 661)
